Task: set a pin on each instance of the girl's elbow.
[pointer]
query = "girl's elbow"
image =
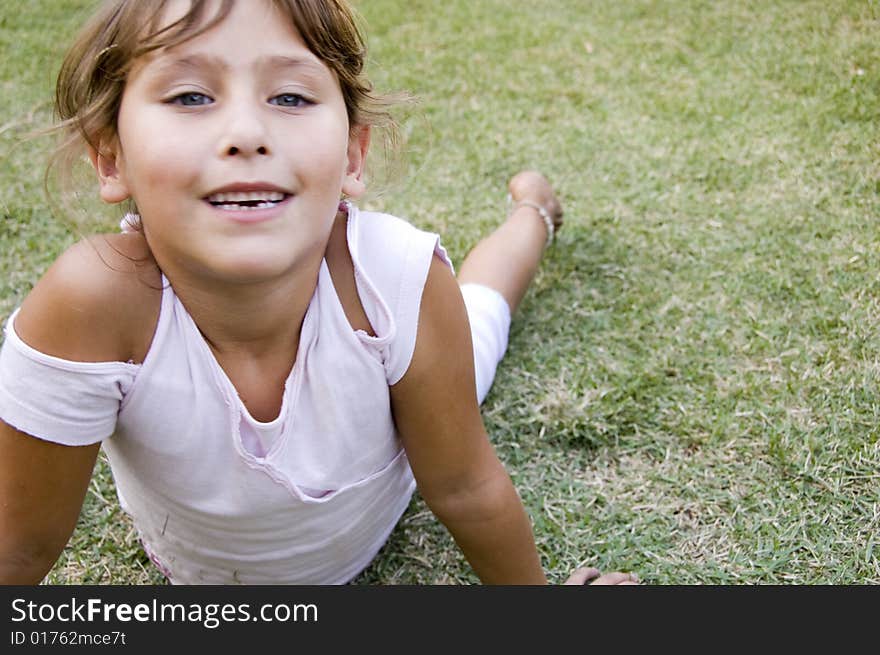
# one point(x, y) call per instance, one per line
point(479, 501)
point(28, 563)
point(17, 570)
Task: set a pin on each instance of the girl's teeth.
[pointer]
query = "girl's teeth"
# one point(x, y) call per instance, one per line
point(246, 199)
point(245, 207)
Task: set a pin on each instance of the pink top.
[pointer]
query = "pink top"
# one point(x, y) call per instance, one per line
point(217, 496)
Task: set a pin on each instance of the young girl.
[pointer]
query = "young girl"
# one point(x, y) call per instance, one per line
point(271, 371)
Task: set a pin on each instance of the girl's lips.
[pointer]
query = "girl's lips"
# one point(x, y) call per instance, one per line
point(244, 192)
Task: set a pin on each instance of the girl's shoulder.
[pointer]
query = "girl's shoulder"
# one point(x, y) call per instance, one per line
point(99, 301)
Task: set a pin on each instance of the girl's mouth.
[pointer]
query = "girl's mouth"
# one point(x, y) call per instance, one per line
point(247, 200)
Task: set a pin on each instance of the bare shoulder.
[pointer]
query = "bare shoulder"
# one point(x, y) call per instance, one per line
point(98, 302)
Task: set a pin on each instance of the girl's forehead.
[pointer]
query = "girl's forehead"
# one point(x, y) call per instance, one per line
point(240, 13)
point(174, 10)
point(215, 15)
point(252, 30)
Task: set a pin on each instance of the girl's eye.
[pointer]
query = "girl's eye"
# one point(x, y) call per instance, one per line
point(191, 99)
point(289, 100)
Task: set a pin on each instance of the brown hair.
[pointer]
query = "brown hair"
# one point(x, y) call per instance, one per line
point(92, 79)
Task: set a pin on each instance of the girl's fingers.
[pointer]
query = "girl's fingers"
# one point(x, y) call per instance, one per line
point(615, 579)
point(583, 576)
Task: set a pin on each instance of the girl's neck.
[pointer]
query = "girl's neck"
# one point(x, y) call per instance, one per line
point(256, 319)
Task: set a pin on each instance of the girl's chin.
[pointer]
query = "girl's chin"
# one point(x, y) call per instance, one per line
point(257, 266)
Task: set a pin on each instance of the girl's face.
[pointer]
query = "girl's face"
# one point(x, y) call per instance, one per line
point(236, 148)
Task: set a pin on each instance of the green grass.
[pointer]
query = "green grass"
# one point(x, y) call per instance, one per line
point(691, 387)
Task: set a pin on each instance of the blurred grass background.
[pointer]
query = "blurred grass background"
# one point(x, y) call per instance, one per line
point(691, 387)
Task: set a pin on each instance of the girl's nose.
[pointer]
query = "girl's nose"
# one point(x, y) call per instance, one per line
point(245, 136)
point(235, 150)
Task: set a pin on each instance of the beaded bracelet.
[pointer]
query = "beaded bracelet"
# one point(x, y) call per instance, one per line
point(548, 221)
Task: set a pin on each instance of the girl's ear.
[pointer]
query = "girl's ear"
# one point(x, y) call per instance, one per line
point(358, 144)
point(106, 161)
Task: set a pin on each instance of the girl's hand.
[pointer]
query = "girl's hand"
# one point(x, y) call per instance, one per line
point(591, 576)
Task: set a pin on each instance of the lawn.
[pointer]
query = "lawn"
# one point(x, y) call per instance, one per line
point(691, 387)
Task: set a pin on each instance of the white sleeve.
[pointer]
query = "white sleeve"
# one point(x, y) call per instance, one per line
point(70, 403)
point(391, 258)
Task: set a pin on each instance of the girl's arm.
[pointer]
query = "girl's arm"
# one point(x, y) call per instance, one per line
point(457, 471)
point(92, 305)
point(42, 487)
